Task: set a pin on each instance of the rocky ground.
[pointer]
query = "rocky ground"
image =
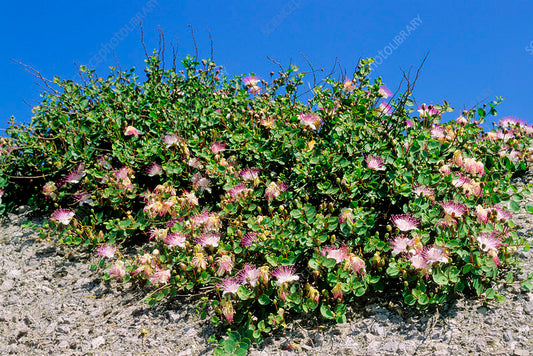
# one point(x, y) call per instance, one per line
point(51, 303)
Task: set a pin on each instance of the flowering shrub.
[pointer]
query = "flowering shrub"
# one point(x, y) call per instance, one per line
point(266, 205)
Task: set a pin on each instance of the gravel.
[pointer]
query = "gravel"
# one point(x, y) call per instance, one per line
point(52, 303)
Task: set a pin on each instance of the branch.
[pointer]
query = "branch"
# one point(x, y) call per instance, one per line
point(38, 75)
point(142, 40)
point(194, 40)
point(211, 40)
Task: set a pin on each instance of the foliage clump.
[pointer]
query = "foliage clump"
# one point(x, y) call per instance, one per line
point(266, 205)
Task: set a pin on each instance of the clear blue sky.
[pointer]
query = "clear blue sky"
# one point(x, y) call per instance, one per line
point(477, 49)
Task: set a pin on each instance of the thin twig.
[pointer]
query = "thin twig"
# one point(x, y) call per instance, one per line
point(162, 39)
point(194, 40)
point(312, 69)
point(116, 61)
point(273, 61)
point(211, 40)
point(142, 39)
point(38, 75)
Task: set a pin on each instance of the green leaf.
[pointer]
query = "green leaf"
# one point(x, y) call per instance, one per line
point(529, 208)
point(527, 285)
point(326, 312)
point(423, 299)
point(296, 214)
point(229, 346)
point(264, 299)
point(313, 264)
point(393, 271)
point(409, 299)
point(514, 206)
point(439, 278)
point(490, 293)
point(329, 262)
point(244, 293)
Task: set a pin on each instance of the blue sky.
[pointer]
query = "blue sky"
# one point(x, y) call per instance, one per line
point(477, 50)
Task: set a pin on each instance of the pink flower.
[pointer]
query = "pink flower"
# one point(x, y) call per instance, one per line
point(356, 264)
point(75, 175)
point(250, 275)
point(200, 183)
point(453, 209)
point(346, 215)
point(405, 222)
point(230, 285)
point(438, 132)
point(482, 213)
point(418, 259)
point(50, 189)
point(106, 250)
point(284, 274)
point(384, 92)
point(238, 192)
point(400, 244)
point(154, 170)
point(199, 261)
point(200, 219)
point(489, 242)
point(461, 120)
point(385, 109)
point(349, 85)
point(176, 239)
point(104, 162)
point(268, 122)
point(510, 122)
point(504, 135)
point(171, 140)
point(445, 170)
point(473, 188)
point(435, 255)
point(118, 269)
point(158, 234)
point(423, 190)
point(218, 147)
point(502, 214)
point(375, 163)
point(273, 190)
point(409, 123)
point(312, 293)
point(337, 291)
point(251, 81)
point(460, 180)
point(250, 174)
point(255, 89)
point(194, 163)
point(130, 130)
point(447, 221)
point(227, 310)
point(160, 276)
point(63, 216)
point(339, 254)
point(225, 264)
point(310, 120)
point(208, 239)
point(473, 167)
point(427, 111)
point(189, 198)
point(248, 239)
point(83, 197)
